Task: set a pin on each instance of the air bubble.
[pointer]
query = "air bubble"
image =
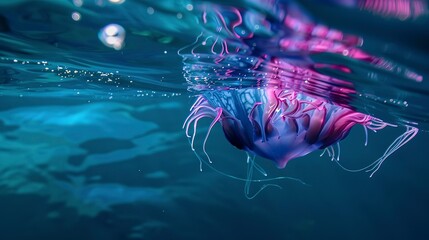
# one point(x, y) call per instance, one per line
point(76, 16)
point(112, 35)
point(117, 1)
point(189, 7)
point(150, 10)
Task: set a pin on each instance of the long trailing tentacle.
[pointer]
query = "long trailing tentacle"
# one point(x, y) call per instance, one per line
point(250, 167)
point(201, 109)
point(257, 167)
point(215, 120)
point(374, 125)
point(400, 141)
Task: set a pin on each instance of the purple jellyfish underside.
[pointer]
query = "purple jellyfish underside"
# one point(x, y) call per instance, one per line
point(284, 107)
point(282, 124)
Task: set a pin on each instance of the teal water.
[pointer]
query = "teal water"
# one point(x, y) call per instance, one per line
point(92, 145)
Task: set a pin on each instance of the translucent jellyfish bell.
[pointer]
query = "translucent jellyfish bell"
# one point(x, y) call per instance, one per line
point(112, 35)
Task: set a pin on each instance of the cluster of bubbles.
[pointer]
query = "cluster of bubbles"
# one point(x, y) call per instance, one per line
point(116, 84)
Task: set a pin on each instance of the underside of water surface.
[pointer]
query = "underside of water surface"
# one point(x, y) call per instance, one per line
point(100, 100)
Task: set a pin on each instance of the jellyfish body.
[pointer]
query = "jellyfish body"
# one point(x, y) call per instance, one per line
point(282, 124)
point(268, 94)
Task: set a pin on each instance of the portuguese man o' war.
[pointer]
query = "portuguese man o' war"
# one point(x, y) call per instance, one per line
point(284, 106)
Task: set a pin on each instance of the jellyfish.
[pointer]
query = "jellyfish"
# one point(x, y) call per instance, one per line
point(284, 124)
point(287, 107)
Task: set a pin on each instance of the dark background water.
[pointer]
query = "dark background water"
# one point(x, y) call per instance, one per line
point(85, 157)
point(163, 195)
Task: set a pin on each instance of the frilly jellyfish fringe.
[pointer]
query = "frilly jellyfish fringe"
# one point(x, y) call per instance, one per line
point(281, 125)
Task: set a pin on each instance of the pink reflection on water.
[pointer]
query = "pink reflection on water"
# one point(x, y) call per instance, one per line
point(401, 9)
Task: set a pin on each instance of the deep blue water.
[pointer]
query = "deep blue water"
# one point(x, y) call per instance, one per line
point(91, 138)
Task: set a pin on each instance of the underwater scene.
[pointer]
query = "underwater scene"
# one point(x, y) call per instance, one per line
point(214, 119)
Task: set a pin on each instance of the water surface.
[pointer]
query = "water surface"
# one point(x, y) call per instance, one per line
point(91, 118)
